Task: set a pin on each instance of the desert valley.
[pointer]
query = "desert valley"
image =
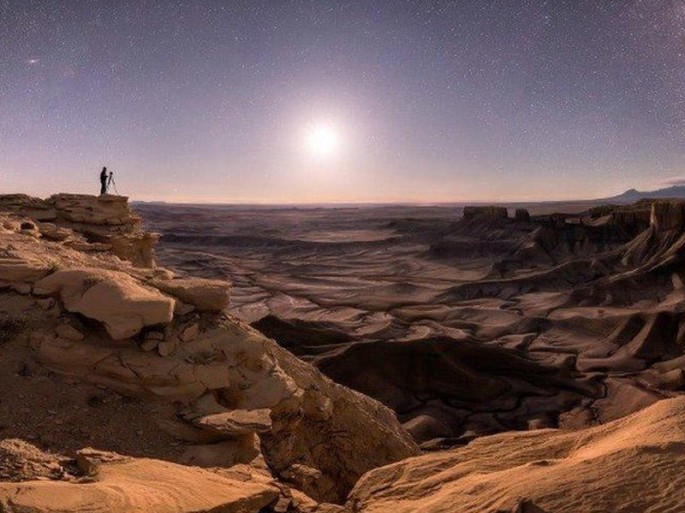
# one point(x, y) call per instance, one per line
point(354, 360)
point(342, 256)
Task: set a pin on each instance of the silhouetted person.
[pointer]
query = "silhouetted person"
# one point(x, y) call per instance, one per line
point(103, 181)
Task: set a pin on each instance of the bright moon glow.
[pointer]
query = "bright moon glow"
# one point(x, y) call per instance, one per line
point(322, 140)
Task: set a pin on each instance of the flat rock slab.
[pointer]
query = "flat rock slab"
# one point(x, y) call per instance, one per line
point(203, 294)
point(237, 422)
point(20, 270)
point(114, 298)
point(140, 485)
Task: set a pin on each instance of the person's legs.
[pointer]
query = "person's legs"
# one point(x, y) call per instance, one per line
point(103, 187)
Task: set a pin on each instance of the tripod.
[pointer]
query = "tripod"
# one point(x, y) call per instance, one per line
point(114, 184)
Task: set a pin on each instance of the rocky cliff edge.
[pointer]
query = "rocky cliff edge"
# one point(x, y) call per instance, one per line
point(101, 348)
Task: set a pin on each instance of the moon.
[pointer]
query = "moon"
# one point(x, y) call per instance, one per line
point(322, 140)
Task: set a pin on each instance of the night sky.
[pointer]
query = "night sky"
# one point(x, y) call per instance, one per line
point(420, 100)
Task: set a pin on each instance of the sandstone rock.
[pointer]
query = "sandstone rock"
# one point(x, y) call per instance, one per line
point(190, 332)
point(20, 461)
point(167, 347)
point(34, 208)
point(237, 422)
point(182, 308)
point(106, 222)
point(141, 485)
point(23, 270)
point(314, 421)
point(301, 475)
point(68, 332)
point(241, 449)
point(90, 460)
point(555, 470)
point(105, 209)
point(204, 294)
point(116, 299)
point(51, 231)
point(22, 288)
point(136, 247)
point(149, 344)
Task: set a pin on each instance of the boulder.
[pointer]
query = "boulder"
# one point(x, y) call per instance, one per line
point(203, 294)
point(237, 422)
point(51, 231)
point(114, 298)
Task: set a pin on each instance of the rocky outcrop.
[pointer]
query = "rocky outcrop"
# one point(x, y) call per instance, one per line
point(663, 241)
point(546, 470)
point(93, 223)
point(107, 482)
point(668, 215)
point(203, 294)
point(485, 213)
point(227, 377)
point(237, 397)
point(114, 298)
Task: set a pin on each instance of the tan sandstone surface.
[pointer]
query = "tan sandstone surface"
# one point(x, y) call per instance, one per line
point(631, 465)
point(97, 351)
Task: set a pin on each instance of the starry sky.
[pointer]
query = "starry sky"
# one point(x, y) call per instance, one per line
point(430, 101)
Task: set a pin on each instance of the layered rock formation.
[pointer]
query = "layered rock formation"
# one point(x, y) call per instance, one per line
point(97, 481)
point(223, 392)
point(595, 319)
point(630, 465)
point(520, 323)
point(87, 223)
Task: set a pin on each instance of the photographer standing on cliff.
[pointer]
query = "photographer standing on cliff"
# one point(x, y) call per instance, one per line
point(103, 180)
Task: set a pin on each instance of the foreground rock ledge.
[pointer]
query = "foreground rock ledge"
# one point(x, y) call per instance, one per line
point(81, 310)
point(116, 484)
point(631, 465)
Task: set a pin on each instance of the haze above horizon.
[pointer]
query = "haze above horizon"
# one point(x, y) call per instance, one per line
point(343, 102)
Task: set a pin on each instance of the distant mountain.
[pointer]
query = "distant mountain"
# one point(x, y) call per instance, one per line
point(631, 195)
